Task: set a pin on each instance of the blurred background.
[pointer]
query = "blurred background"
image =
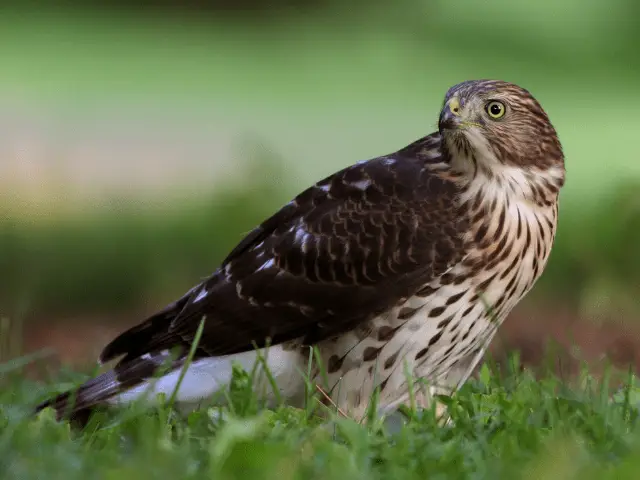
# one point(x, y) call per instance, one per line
point(138, 144)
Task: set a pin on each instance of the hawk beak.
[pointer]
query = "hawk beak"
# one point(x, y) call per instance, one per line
point(450, 116)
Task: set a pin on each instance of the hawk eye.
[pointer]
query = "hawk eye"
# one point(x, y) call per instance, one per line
point(495, 109)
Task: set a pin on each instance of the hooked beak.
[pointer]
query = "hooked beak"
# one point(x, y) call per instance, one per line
point(448, 121)
point(451, 119)
point(450, 116)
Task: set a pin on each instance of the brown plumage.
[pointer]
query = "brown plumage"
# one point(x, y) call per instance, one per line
point(388, 262)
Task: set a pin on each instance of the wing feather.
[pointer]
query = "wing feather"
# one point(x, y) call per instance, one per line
point(341, 252)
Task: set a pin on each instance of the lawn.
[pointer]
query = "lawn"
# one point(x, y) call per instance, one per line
point(320, 94)
point(504, 424)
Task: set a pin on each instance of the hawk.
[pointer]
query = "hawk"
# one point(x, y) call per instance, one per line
point(408, 260)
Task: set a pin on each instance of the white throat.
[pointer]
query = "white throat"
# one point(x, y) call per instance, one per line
point(488, 173)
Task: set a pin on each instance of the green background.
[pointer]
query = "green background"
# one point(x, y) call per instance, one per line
point(141, 144)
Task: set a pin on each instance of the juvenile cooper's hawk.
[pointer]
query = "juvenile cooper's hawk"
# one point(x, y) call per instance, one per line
point(413, 258)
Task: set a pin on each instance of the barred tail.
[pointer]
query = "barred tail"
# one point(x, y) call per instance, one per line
point(77, 404)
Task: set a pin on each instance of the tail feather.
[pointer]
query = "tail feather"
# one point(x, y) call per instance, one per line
point(77, 404)
point(90, 394)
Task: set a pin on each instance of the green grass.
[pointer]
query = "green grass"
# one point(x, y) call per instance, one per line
point(324, 93)
point(505, 424)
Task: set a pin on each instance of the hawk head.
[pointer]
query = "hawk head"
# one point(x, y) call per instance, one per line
point(491, 124)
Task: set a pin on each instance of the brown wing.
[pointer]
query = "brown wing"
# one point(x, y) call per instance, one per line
point(341, 252)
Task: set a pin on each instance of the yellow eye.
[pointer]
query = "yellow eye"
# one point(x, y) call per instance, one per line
point(496, 109)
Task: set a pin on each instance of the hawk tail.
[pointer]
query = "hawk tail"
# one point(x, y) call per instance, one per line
point(77, 404)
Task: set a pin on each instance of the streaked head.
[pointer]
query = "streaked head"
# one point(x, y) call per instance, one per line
point(498, 123)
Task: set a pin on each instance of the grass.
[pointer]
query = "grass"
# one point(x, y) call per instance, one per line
point(288, 87)
point(505, 424)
